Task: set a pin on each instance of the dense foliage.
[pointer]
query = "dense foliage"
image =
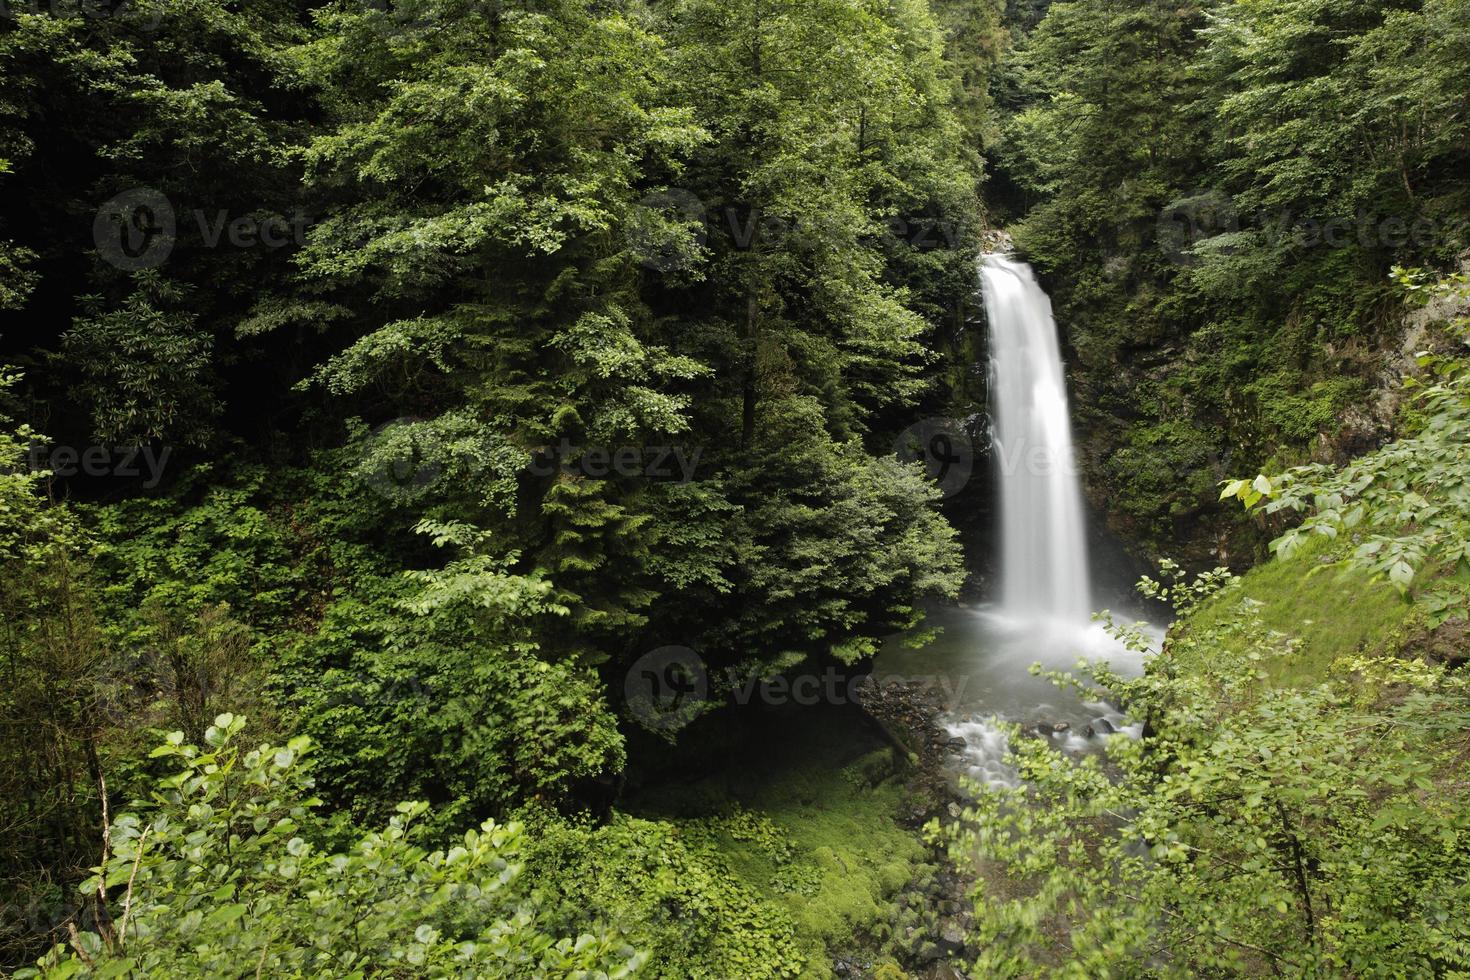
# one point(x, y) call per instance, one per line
point(1408, 504)
point(223, 869)
point(410, 377)
point(406, 373)
point(1215, 192)
point(1255, 829)
point(1314, 828)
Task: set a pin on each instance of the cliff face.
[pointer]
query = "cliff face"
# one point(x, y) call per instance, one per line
point(1165, 411)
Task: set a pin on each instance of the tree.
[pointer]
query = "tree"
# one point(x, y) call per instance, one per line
point(1404, 506)
point(54, 702)
point(152, 181)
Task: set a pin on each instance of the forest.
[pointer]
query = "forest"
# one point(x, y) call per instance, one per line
point(735, 489)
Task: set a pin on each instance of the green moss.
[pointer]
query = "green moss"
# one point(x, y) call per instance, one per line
point(1335, 611)
point(1295, 415)
point(665, 890)
point(811, 832)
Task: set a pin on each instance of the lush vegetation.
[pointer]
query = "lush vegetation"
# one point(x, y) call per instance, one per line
point(1297, 804)
point(1217, 192)
point(396, 399)
point(397, 376)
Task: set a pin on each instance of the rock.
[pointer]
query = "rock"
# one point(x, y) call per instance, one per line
point(951, 939)
point(928, 952)
point(1103, 726)
point(957, 743)
point(1061, 727)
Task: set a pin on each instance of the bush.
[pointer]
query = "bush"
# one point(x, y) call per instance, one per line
point(218, 875)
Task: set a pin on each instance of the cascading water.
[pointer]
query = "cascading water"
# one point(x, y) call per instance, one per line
point(1043, 570)
point(1044, 607)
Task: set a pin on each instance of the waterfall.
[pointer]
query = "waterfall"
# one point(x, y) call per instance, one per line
point(1043, 571)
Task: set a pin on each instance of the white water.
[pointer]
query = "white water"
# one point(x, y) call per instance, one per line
point(979, 669)
point(1043, 568)
point(1045, 602)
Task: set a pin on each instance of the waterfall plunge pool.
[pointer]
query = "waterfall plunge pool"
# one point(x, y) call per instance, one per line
point(979, 668)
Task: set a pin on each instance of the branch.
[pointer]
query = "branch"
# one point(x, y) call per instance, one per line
point(122, 923)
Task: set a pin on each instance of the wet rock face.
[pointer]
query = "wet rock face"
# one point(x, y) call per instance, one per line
point(907, 713)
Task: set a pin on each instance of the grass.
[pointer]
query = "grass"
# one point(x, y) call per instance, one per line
point(1335, 610)
point(810, 826)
